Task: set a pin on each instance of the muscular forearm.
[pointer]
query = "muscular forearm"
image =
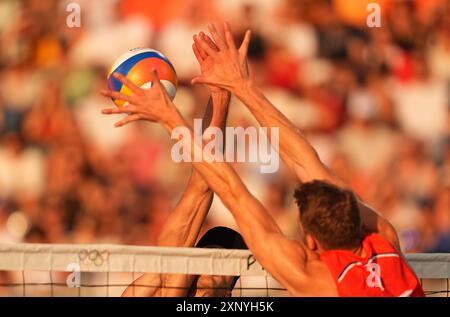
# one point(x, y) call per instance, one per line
point(294, 149)
point(271, 249)
point(205, 169)
point(217, 110)
point(301, 157)
point(251, 217)
point(183, 225)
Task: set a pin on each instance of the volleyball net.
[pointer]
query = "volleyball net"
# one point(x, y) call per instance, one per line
point(107, 270)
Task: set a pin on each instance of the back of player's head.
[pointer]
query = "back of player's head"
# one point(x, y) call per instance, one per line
point(330, 214)
point(221, 238)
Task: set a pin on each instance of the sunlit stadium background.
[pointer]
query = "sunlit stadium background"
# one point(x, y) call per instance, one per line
point(374, 101)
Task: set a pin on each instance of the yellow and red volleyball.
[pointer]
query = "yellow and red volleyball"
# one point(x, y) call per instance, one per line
point(137, 65)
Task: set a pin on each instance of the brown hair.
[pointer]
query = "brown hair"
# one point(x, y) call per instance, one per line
point(330, 214)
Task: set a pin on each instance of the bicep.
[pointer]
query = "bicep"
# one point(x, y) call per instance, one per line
point(283, 258)
point(295, 267)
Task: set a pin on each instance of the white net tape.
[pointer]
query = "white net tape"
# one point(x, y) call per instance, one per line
point(106, 270)
point(118, 258)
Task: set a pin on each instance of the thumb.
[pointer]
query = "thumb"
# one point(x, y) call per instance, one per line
point(206, 81)
point(199, 80)
point(245, 43)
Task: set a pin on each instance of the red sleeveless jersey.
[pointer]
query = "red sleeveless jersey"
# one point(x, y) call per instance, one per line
point(382, 272)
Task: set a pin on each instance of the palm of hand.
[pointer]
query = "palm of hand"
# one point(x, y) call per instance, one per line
point(207, 68)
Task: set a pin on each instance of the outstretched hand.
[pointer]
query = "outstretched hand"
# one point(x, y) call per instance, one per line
point(225, 65)
point(145, 104)
point(205, 61)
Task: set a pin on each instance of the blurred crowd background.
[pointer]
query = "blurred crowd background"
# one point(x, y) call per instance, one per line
point(373, 101)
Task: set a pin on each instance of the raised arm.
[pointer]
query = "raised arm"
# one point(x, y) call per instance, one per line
point(230, 72)
point(302, 158)
point(287, 260)
point(184, 223)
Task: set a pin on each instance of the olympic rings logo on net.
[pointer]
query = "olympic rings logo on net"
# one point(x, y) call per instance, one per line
point(95, 257)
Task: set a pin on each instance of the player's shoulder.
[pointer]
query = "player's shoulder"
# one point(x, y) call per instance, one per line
point(318, 278)
point(382, 241)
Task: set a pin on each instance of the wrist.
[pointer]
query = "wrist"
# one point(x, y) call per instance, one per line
point(220, 93)
point(198, 184)
point(221, 99)
point(171, 118)
point(242, 88)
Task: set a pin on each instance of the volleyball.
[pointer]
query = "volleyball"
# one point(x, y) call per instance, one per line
point(136, 65)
